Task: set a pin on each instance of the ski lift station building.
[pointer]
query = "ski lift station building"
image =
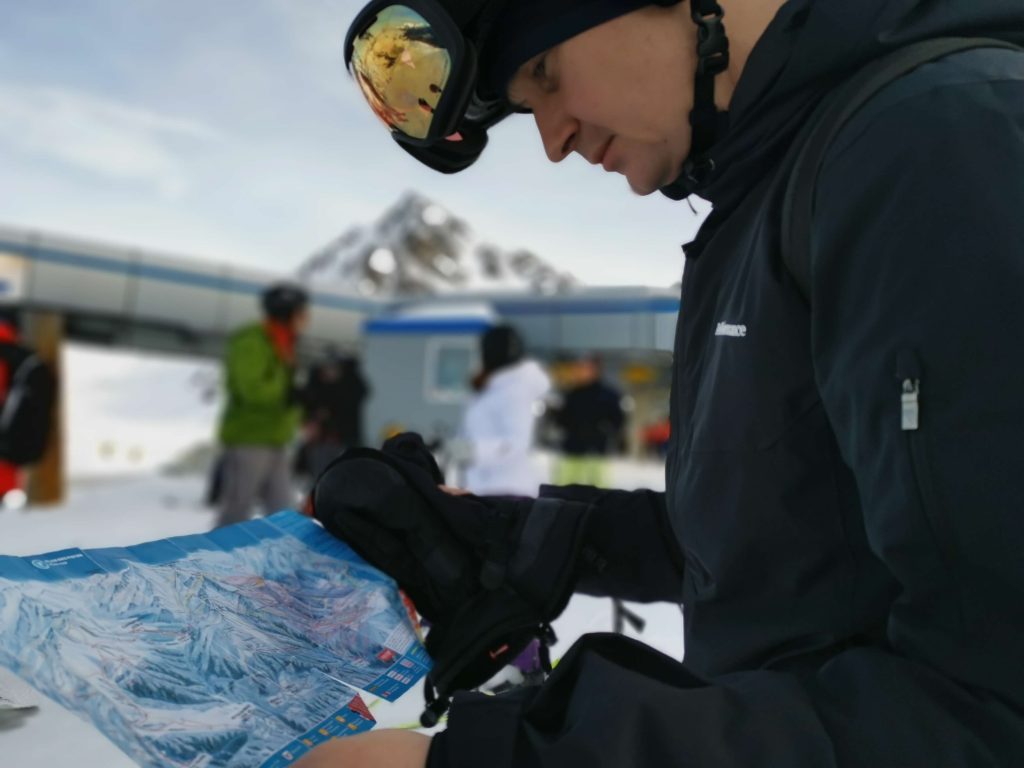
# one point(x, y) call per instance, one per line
point(418, 354)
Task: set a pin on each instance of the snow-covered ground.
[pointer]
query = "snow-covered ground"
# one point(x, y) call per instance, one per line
point(129, 510)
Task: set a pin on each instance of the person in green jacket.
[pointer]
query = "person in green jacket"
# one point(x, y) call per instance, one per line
point(261, 415)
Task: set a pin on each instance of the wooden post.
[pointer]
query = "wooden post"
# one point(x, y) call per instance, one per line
point(44, 332)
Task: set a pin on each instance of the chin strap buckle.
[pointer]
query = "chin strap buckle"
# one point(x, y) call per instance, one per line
point(712, 43)
point(697, 171)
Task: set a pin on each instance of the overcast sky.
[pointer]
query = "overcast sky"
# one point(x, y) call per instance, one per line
point(229, 129)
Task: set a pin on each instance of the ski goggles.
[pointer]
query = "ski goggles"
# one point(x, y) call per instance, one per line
point(418, 72)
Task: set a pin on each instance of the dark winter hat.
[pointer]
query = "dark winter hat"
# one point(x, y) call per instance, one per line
point(528, 27)
point(282, 301)
point(500, 346)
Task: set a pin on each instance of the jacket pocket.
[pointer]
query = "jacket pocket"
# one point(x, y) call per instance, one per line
point(913, 423)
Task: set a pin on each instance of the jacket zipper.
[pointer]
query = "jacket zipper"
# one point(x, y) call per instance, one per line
point(908, 371)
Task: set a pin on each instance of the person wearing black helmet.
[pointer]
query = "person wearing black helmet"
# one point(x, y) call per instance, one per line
point(260, 415)
point(841, 518)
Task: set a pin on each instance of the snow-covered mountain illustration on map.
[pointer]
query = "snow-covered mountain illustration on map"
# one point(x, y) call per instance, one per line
point(231, 648)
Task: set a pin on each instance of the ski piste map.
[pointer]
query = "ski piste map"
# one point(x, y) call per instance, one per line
point(240, 647)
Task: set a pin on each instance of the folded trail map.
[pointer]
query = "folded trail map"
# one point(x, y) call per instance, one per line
point(240, 647)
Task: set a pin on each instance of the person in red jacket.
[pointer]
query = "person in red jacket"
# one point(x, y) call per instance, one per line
point(10, 474)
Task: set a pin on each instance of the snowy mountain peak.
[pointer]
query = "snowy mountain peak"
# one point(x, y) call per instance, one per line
point(417, 247)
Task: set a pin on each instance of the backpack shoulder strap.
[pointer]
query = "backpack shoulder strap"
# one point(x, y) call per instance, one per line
point(17, 388)
point(12, 355)
point(17, 359)
point(827, 120)
point(25, 369)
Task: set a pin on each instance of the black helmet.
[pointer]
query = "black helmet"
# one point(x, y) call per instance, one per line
point(500, 346)
point(281, 301)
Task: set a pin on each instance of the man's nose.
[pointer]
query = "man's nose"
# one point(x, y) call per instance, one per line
point(558, 132)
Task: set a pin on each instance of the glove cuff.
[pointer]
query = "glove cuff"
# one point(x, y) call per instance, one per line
point(543, 565)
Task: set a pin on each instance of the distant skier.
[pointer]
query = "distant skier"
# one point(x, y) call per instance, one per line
point(262, 413)
point(498, 425)
point(10, 473)
point(592, 419)
point(332, 403)
point(28, 392)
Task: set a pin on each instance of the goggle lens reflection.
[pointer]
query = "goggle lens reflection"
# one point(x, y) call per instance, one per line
point(402, 69)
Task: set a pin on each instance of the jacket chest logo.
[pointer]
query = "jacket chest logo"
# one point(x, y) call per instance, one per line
point(732, 330)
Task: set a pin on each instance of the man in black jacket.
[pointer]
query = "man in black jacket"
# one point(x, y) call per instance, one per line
point(592, 420)
point(842, 517)
point(332, 403)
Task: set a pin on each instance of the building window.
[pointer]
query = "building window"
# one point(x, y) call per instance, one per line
point(450, 365)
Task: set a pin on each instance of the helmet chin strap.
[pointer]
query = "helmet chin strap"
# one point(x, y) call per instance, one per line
point(706, 121)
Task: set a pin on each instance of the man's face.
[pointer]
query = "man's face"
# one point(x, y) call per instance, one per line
point(618, 94)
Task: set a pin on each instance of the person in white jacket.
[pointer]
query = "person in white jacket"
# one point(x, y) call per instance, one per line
point(498, 425)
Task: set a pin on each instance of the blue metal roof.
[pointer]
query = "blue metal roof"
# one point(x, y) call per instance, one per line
point(408, 326)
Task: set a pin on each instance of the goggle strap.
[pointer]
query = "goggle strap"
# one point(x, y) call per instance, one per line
point(464, 12)
point(712, 59)
point(450, 156)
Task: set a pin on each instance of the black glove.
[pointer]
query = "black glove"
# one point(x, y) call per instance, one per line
point(489, 574)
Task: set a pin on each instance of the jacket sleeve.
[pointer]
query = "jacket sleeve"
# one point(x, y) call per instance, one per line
point(629, 551)
point(917, 285)
point(255, 377)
